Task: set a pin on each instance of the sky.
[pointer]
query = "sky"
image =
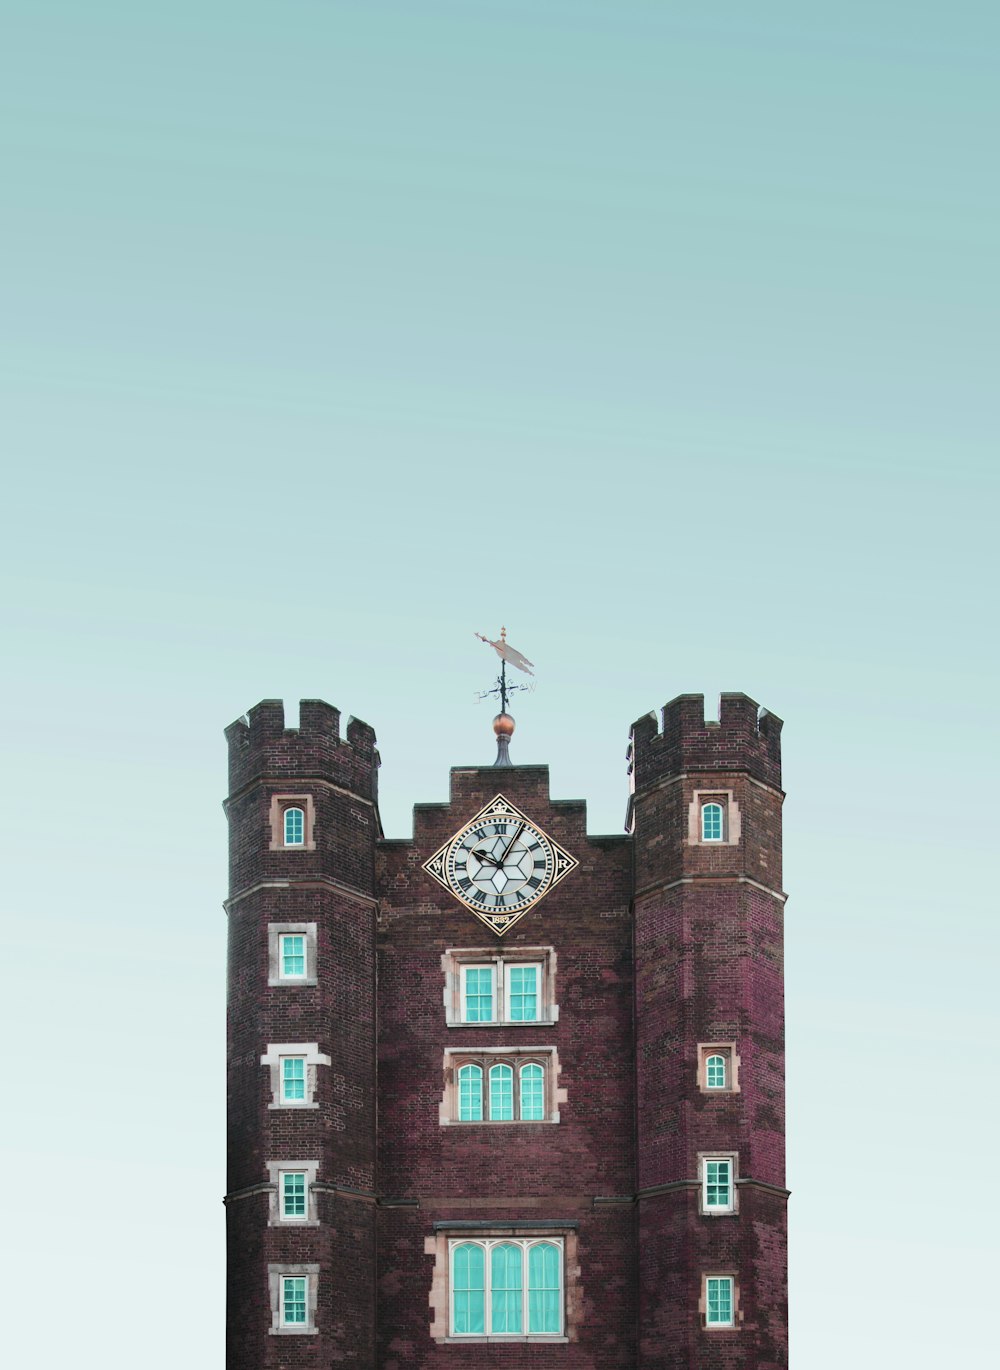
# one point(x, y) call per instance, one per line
point(332, 332)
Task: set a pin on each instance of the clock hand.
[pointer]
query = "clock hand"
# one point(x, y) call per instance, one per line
point(510, 844)
point(485, 856)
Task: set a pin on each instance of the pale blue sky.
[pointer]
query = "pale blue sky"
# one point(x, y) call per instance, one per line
point(333, 332)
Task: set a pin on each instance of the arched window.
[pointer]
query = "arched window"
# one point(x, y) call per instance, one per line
point(532, 1093)
point(501, 1094)
point(295, 827)
point(468, 1285)
point(506, 1287)
point(470, 1094)
point(507, 1298)
point(715, 1072)
point(711, 823)
point(544, 1293)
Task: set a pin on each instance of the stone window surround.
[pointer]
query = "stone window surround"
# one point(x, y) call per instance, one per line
point(274, 1218)
point(274, 976)
point(276, 817)
point(706, 1326)
point(516, 1056)
point(439, 1298)
point(274, 1276)
point(731, 821)
point(734, 1194)
point(313, 1059)
point(728, 1050)
point(454, 958)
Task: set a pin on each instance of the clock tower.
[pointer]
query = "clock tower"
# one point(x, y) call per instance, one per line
point(506, 1090)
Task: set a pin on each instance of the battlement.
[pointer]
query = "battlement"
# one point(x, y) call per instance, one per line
point(261, 746)
point(746, 738)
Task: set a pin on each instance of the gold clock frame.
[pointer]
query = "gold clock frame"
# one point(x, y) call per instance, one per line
point(499, 807)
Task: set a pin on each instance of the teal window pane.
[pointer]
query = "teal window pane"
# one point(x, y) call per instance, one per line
point(479, 994)
point(715, 1072)
point(506, 1303)
point(293, 1194)
point(468, 1282)
point(293, 954)
point(711, 823)
point(717, 1184)
point(720, 1301)
point(294, 827)
point(532, 1093)
point(470, 1094)
point(523, 983)
point(501, 1093)
point(543, 1288)
point(295, 1300)
point(293, 1077)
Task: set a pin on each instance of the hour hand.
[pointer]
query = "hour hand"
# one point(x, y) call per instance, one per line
point(487, 858)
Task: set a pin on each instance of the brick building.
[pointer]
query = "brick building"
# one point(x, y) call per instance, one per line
point(506, 1094)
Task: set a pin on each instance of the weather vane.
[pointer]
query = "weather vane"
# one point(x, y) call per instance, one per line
point(503, 724)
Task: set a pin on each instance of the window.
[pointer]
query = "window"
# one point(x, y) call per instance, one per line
point(291, 954)
point(481, 987)
point(294, 1067)
point(506, 1288)
point(292, 1194)
point(293, 1079)
point(720, 1301)
point(292, 819)
point(295, 827)
point(711, 822)
point(715, 1072)
point(718, 1182)
point(293, 1299)
point(500, 1086)
point(714, 816)
point(718, 1068)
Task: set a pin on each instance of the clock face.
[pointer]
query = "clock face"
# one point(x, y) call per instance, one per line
point(500, 864)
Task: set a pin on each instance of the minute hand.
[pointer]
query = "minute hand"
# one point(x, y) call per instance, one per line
point(510, 845)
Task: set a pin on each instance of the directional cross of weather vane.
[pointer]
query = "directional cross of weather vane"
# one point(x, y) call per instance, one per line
point(503, 724)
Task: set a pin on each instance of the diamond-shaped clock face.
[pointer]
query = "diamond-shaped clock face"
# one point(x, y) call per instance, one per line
point(500, 864)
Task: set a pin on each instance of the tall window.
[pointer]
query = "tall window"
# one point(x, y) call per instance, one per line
point(293, 1079)
point(715, 1072)
point(711, 823)
point(470, 1094)
point(523, 993)
point(295, 827)
point(293, 955)
point(477, 994)
point(532, 1092)
point(501, 1093)
point(719, 1301)
point(718, 1183)
point(293, 1300)
point(506, 1288)
point(293, 1194)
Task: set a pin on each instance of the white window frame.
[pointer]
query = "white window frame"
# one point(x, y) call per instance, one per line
point(283, 1177)
point(487, 1243)
point(728, 1052)
point(276, 1214)
point(286, 813)
point(457, 961)
point(276, 1053)
point(276, 1275)
point(713, 804)
point(464, 969)
point(733, 1313)
point(275, 961)
point(285, 973)
point(705, 1158)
